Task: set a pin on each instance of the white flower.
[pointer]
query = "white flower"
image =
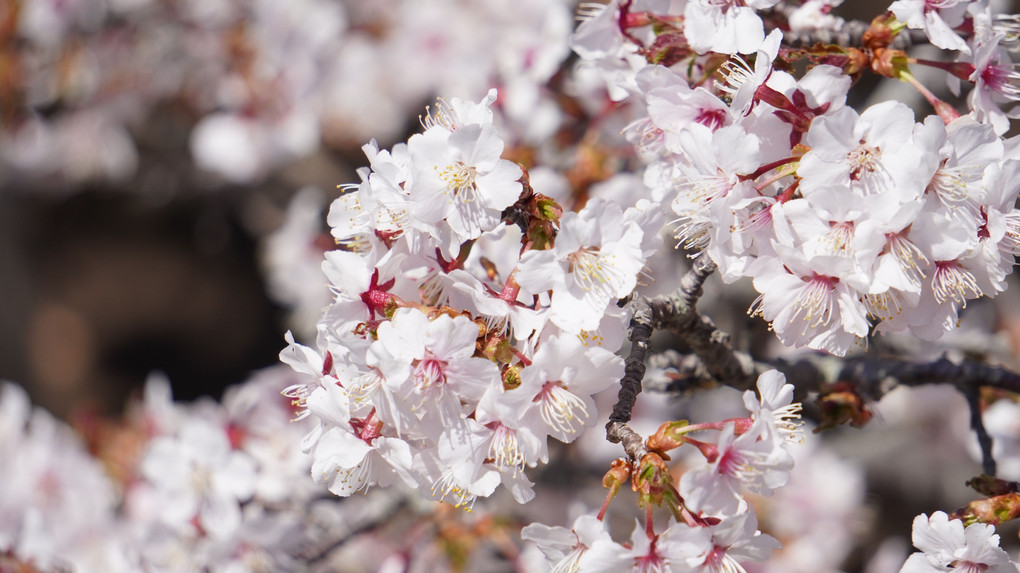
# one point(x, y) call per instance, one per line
point(734, 539)
point(460, 174)
point(776, 407)
point(996, 80)
point(596, 259)
point(430, 365)
point(561, 380)
point(354, 458)
point(869, 154)
point(585, 547)
point(725, 26)
point(936, 17)
point(807, 303)
point(200, 477)
point(947, 546)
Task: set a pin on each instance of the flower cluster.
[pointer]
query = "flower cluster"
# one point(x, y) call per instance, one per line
point(848, 222)
point(174, 488)
point(442, 362)
point(720, 527)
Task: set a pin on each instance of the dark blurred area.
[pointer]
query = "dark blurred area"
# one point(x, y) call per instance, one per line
point(100, 289)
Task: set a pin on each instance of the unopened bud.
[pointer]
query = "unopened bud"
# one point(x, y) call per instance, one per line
point(993, 510)
point(667, 437)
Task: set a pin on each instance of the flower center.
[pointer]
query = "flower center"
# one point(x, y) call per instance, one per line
point(908, 255)
point(711, 118)
point(865, 163)
point(505, 450)
point(460, 179)
point(839, 239)
point(1002, 79)
point(592, 271)
point(430, 374)
point(814, 301)
point(561, 409)
point(953, 283)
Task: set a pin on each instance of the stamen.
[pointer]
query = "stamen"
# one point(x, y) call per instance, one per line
point(883, 305)
point(505, 450)
point(430, 375)
point(445, 486)
point(561, 409)
point(736, 73)
point(589, 10)
point(592, 271)
point(839, 240)
point(1011, 241)
point(703, 190)
point(789, 423)
point(693, 232)
point(952, 282)
point(952, 186)
point(460, 179)
point(1003, 79)
point(866, 167)
point(444, 116)
point(357, 478)
point(298, 394)
point(909, 256)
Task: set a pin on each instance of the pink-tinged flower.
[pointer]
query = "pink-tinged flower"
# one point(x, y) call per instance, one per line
point(735, 539)
point(742, 82)
point(430, 367)
point(200, 477)
point(598, 34)
point(947, 546)
point(585, 547)
point(379, 205)
point(936, 17)
point(714, 164)
point(355, 457)
point(809, 304)
point(596, 259)
point(958, 156)
point(1002, 218)
point(744, 461)
point(673, 105)
point(515, 440)
point(996, 81)
point(559, 384)
point(457, 467)
point(671, 551)
point(815, 15)
point(455, 113)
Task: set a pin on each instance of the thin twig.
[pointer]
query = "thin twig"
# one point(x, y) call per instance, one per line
point(973, 396)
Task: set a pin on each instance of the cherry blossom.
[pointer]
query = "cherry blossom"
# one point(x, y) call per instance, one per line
point(946, 545)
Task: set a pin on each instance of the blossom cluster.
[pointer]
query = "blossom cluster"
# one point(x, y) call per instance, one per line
point(848, 222)
point(442, 362)
point(174, 488)
point(472, 318)
point(720, 529)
